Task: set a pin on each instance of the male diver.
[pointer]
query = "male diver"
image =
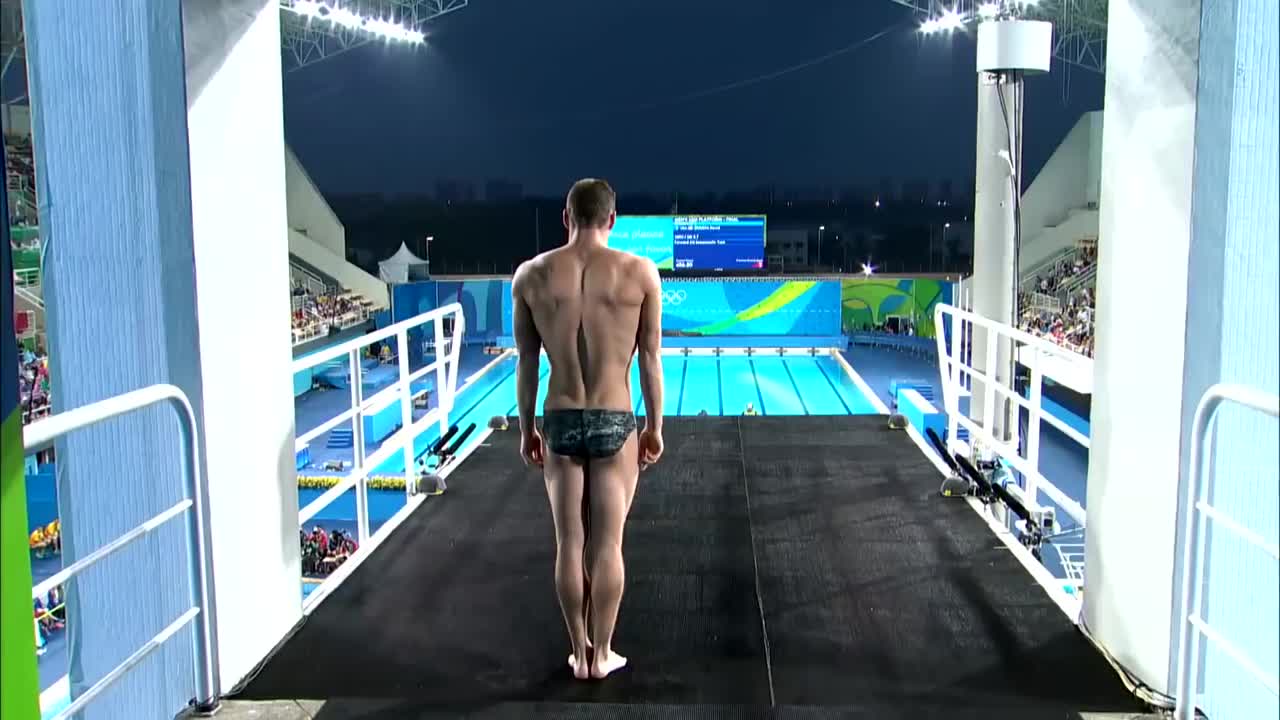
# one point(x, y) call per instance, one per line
point(591, 308)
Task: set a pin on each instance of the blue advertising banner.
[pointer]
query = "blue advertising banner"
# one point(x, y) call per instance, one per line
point(751, 307)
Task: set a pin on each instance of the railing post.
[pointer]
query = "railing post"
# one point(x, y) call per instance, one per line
point(459, 333)
point(357, 446)
point(989, 371)
point(208, 681)
point(1035, 397)
point(1192, 539)
point(406, 410)
point(199, 568)
point(443, 399)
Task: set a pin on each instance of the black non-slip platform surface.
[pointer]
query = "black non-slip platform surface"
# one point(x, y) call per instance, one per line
point(877, 597)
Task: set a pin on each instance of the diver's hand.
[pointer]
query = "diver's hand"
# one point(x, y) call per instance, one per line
point(531, 447)
point(650, 446)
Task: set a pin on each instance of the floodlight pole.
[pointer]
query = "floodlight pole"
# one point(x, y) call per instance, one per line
point(1007, 51)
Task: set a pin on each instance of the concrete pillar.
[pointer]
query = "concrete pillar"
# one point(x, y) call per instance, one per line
point(1007, 49)
point(995, 242)
point(1145, 275)
point(235, 127)
point(1233, 312)
point(145, 286)
point(119, 287)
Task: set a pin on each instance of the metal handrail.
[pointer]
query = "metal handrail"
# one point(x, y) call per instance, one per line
point(1198, 513)
point(42, 434)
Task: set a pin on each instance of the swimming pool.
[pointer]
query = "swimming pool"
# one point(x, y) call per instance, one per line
point(718, 385)
point(774, 385)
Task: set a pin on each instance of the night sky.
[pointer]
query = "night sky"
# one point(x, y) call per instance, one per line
point(658, 96)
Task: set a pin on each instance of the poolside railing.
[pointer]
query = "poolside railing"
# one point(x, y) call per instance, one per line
point(976, 357)
point(439, 332)
point(42, 434)
point(1198, 512)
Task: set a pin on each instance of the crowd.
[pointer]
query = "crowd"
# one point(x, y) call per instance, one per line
point(318, 315)
point(33, 385)
point(323, 551)
point(50, 614)
point(47, 540)
point(1049, 280)
point(20, 176)
point(1050, 309)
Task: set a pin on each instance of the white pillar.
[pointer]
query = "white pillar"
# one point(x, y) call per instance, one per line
point(1144, 278)
point(120, 290)
point(1007, 50)
point(236, 133)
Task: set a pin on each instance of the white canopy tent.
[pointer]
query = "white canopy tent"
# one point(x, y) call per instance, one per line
point(401, 266)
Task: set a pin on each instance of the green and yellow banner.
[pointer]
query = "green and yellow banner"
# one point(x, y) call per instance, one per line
point(19, 681)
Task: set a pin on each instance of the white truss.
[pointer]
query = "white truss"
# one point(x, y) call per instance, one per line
point(305, 41)
point(1079, 26)
point(13, 56)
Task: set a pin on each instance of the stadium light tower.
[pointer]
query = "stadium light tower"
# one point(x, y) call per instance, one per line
point(1080, 26)
point(1009, 47)
point(315, 30)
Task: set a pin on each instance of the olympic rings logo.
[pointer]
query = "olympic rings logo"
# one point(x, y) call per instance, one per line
point(673, 297)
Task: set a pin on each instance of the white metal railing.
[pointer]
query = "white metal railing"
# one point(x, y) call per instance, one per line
point(312, 282)
point(1033, 272)
point(1075, 283)
point(444, 365)
point(960, 377)
point(28, 296)
point(26, 276)
point(1198, 512)
point(308, 333)
point(1041, 301)
point(42, 434)
point(320, 327)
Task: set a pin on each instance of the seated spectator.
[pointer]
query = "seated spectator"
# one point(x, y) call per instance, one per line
point(1058, 311)
point(33, 385)
point(324, 551)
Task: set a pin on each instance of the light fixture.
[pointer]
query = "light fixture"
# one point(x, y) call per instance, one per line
point(314, 10)
point(951, 19)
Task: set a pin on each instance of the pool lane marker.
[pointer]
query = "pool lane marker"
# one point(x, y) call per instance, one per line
point(719, 388)
point(787, 369)
point(834, 389)
point(684, 373)
point(756, 379)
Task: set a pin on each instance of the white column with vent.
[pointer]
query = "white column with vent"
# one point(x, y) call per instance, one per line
point(1007, 51)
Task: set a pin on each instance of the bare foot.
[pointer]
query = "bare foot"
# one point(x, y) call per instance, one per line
point(572, 660)
point(581, 670)
point(601, 669)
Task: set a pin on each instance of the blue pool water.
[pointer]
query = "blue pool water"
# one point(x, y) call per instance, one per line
point(793, 385)
point(775, 385)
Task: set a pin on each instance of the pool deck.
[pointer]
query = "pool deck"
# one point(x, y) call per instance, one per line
point(315, 710)
point(789, 567)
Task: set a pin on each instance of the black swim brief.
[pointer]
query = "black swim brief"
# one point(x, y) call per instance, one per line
point(587, 434)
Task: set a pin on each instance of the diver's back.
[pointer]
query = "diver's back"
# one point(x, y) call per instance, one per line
point(586, 307)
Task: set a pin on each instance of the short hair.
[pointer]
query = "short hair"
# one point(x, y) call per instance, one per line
point(590, 203)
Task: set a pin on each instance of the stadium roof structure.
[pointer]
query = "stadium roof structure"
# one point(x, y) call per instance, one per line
point(13, 56)
point(315, 30)
point(310, 31)
point(1079, 26)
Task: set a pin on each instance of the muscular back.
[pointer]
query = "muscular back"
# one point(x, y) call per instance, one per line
point(585, 303)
